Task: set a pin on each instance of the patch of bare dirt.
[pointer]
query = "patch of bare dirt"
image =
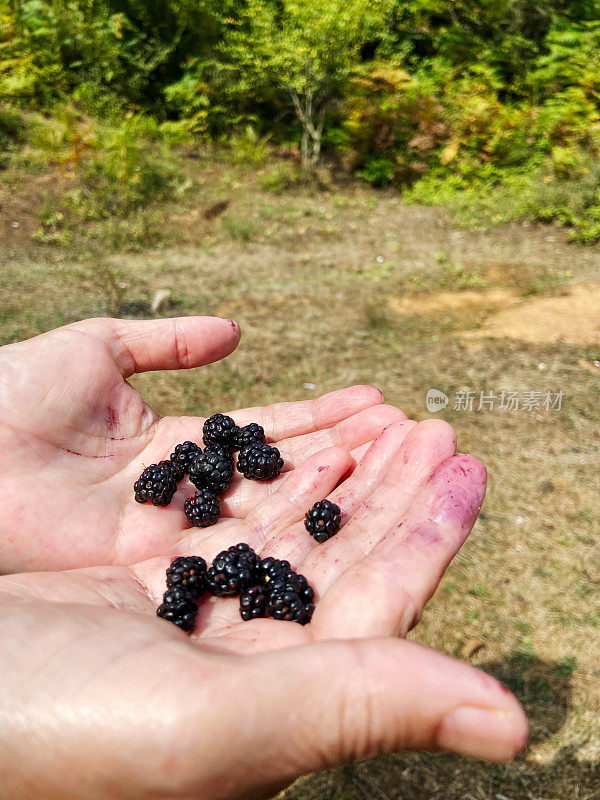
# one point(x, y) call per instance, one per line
point(572, 317)
point(462, 304)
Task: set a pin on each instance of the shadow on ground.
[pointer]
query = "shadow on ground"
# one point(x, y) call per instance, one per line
point(544, 688)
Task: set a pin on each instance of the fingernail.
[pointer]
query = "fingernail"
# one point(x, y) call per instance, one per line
point(496, 735)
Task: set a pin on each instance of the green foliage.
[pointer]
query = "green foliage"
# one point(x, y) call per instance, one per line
point(131, 167)
point(490, 106)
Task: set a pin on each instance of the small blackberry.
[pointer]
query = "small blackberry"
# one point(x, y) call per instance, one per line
point(157, 484)
point(260, 462)
point(189, 574)
point(219, 429)
point(212, 470)
point(232, 571)
point(249, 434)
point(253, 603)
point(269, 569)
point(179, 607)
point(291, 598)
point(203, 509)
point(184, 454)
point(323, 520)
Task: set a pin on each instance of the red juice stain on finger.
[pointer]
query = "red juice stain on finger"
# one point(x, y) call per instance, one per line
point(321, 469)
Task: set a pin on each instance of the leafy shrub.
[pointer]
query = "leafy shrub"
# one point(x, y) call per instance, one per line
point(130, 167)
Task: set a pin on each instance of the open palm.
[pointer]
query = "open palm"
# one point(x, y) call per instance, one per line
point(241, 708)
point(75, 436)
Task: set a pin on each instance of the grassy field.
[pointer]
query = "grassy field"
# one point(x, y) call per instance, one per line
point(337, 285)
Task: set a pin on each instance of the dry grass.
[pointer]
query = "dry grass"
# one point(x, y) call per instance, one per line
point(310, 277)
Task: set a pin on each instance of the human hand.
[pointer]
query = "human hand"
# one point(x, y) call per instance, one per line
point(75, 435)
point(100, 698)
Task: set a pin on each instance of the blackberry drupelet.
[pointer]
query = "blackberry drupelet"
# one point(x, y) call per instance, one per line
point(179, 607)
point(189, 574)
point(203, 509)
point(184, 454)
point(260, 462)
point(249, 434)
point(232, 571)
point(291, 598)
point(212, 470)
point(219, 429)
point(323, 520)
point(253, 603)
point(157, 484)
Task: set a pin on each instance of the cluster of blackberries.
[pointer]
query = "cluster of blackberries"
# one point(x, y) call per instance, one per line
point(267, 587)
point(211, 469)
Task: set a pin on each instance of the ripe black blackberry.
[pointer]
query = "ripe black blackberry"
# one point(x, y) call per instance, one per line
point(290, 598)
point(189, 574)
point(212, 470)
point(219, 429)
point(249, 434)
point(203, 509)
point(269, 569)
point(157, 484)
point(260, 462)
point(323, 520)
point(179, 607)
point(232, 571)
point(184, 454)
point(253, 603)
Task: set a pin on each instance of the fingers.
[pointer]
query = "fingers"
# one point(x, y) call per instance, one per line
point(349, 433)
point(298, 492)
point(351, 495)
point(416, 457)
point(334, 702)
point(403, 571)
point(282, 420)
point(176, 343)
point(294, 496)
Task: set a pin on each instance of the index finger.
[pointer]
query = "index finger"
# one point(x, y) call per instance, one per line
point(281, 420)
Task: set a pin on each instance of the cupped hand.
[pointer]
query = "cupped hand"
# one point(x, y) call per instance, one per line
point(102, 699)
point(75, 435)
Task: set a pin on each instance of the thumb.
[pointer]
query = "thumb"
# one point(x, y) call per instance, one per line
point(324, 704)
point(173, 343)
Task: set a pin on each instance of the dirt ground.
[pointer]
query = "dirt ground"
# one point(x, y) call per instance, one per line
point(347, 285)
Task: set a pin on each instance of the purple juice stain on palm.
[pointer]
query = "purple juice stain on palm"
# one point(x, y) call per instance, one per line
point(112, 418)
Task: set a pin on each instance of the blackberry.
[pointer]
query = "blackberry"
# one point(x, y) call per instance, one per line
point(203, 509)
point(269, 569)
point(232, 571)
point(157, 484)
point(219, 429)
point(323, 520)
point(179, 607)
point(212, 470)
point(260, 462)
point(189, 574)
point(253, 603)
point(249, 434)
point(184, 454)
point(291, 598)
